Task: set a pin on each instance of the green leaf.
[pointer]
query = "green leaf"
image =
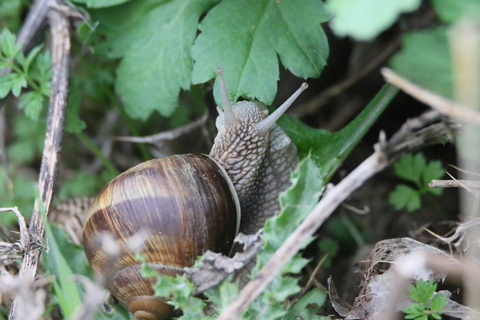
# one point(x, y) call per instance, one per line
point(41, 70)
point(434, 170)
point(422, 291)
point(18, 82)
point(7, 44)
point(100, 3)
point(328, 149)
point(31, 56)
point(450, 11)
point(405, 197)
point(308, 306)
point(7, 81)
point(410, 167)
point(425, 53)
point(66, 289)
point(155, 40)
point(245, 37)
point(365, 19)
point(222, 295)
point(32, 103)
point(438, 302)
point(414, 310)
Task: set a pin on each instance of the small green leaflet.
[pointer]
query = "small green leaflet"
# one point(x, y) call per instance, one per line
point(428, 302)
point(414, 168)
point(365, 19)
point(245, 38)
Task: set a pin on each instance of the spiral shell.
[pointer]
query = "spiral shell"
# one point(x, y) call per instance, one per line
point(184, 204)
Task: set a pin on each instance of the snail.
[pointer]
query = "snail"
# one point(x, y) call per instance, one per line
point(188, 204)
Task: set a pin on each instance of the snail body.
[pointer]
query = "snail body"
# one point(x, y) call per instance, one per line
point(187, 204)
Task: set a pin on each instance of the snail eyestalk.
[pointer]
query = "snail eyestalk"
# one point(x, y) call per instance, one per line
point(267, 123)
point(229, 115)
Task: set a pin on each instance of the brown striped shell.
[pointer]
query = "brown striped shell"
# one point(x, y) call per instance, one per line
point(185, 204)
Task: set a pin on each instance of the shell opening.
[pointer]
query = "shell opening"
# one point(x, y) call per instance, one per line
point(150, 308)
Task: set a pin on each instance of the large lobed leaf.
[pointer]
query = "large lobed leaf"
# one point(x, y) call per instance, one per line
point(155, 39)
point(365, 19)
point(245, 37)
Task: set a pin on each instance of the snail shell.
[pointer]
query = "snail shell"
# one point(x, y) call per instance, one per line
point(166, 199)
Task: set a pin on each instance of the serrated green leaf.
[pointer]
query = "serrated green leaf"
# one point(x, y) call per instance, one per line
point(100, 3)
point(405, 197)
point(283, 287)
point(365, 19)
point(178, 290)
point(245, 37)
point(425, 53)
point(308, 306)
point(41, 69)
point(18, 82)
point(222, 295)
point(328, 149)
point(7, 44)
point(7, 81)
point(410, 167)
point(450, 11)
point(433, 170)
point(31, 56)
point(438, 302)
point(32, 103)
point(155, 40)
point(423, 291)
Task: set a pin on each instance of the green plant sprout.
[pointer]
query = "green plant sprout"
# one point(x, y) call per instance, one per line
point(427, 304)
point(32, 71)
point(416, 169)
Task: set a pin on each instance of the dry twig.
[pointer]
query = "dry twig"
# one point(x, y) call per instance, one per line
point(446, 106)
point(48, 171)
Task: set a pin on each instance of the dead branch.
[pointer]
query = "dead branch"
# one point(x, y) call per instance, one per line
point(168, 135)
point(53, 141)
point(416, 133)
point(446, 106)
point(454, 184)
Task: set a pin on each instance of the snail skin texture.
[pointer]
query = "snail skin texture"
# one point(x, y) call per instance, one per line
point(187, 204)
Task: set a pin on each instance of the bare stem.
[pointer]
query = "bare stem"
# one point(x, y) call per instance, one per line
point(53, 141)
